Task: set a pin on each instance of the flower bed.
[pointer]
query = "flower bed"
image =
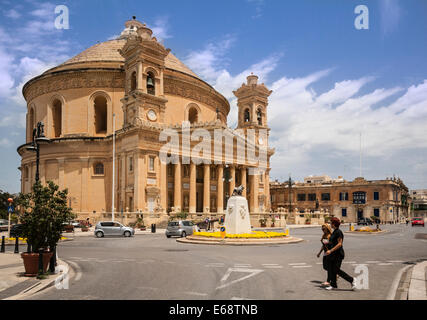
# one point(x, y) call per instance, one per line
point(367, 229)
point(25, 240)
point(253, 235)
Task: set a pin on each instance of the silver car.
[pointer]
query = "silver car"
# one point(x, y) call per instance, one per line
point(112, 228)
point(181, 228)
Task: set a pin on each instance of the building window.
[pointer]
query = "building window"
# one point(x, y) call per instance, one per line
point(57, 118)
point(186, 170)
point(151, 164)
point(344, 212)
point(213, 173)
point(193, 116)
point(246, 116)
point(301, 196)
point(326, 197)
point(311, 197)
point(100, 107)
point(343, 196)
point(376, 195)
point(133, 81)
point(130, 164)
point(359, 197)
point(151, 87)
point(376, 212)
point(99, 168)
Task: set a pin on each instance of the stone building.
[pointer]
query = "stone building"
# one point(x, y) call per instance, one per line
point(419, 202)
point(348, 200)
point(137, 83)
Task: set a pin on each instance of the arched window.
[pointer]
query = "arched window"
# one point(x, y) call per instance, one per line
point(151, 87)
point(259, 116)
point(100, 108)
point(246, 116)
point(57, 118)
point(193, 115)
point(133, 81)
point(98, 168)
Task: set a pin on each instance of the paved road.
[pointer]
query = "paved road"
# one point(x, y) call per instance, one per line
point(154, 267)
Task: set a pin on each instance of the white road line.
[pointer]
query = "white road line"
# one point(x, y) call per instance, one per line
point(252, 272)
point(297, 264)
point(385, 264)
point(196, 293)
point(78, 270)
point(301, 266)
point(372, 261)
point(350, 262)
point(395, 261)
point(273, 267)
point(242, 265)
point(319, 262)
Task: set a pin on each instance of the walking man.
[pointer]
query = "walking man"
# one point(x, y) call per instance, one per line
point(335, 257)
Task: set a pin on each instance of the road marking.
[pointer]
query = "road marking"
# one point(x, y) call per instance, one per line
point(301, 266)
point(252, 273)
point(215, 265)
point(350, 262)
point(385, 264)
point(273, 267)
point(395, 261)
point(242, 266)
point(270, 264)
point(319, 262)
point(238, 298)
point(196, 293)
point(77, 269)
point(372, 261)
point(297, 264)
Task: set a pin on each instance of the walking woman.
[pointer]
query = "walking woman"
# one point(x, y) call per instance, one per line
point(335, 256)
point(327, 232)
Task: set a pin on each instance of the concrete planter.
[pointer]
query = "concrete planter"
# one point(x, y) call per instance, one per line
point(31, 262)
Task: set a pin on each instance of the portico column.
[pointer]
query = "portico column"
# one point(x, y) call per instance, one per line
point(220, 189)
point(206, 188)
point(232, 184)
point(254, 192)
point(192, 208)
point(163, 186)
point(177, 187)
point(267, 190)
point(243, 180)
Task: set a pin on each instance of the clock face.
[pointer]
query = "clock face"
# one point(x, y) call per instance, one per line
point(151, 114)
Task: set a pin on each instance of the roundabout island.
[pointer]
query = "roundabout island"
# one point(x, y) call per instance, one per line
point(237, 228)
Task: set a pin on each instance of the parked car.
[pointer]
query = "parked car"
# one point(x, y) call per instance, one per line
point(112, 228)
point(16, 230)
point(364, 221)
point(417, 222)
point(181, 228)
point(4, 224)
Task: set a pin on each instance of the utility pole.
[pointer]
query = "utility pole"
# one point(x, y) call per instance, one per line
point(114, 169)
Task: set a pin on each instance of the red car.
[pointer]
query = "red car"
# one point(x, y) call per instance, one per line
point(417, 222)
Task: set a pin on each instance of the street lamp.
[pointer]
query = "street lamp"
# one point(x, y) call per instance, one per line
point(38, 139)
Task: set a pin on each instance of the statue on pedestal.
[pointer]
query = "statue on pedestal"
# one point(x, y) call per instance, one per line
point(237, 218)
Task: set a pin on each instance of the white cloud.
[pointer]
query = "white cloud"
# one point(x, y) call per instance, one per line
point(13, 14)
point(160, 28)
point(390, 13)
point(4, 142)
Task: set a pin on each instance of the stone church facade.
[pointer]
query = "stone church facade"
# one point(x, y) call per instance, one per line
point(135, 84)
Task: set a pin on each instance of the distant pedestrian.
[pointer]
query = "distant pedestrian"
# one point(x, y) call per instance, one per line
point(327, 232)
point(336, 255)
point(407, 221)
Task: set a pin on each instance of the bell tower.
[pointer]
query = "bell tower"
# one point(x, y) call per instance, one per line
point(144, 98)
point(252, 101)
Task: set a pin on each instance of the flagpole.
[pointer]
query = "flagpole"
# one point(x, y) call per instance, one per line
point(114, 169)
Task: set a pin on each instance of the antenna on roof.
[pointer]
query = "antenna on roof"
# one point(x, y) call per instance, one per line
point(134, 17)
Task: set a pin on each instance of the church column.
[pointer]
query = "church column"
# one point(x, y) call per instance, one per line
point(163, 186)
point(61, 175)
point(243, 180)
point(123, 168)
point(139, 182)
point(220, 189)
point(139, 78)
point(206, 188)
point(193, 194)
point(267, 190)
point(232, 184)
point(253, 180)
point(177, 187)
point(84, 184)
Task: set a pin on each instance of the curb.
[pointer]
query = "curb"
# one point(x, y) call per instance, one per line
point(418, 282)
point(239, 242)
point(42, 284)
point(361, 232)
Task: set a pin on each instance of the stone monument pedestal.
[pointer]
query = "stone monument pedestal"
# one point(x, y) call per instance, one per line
point(237, 218)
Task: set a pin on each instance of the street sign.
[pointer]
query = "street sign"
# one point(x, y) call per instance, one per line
point(222, 232)
point(10, 209)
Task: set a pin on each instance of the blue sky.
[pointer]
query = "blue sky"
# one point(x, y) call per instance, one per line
point(330, 80)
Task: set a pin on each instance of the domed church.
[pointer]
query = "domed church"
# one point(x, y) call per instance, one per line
point(114, 100)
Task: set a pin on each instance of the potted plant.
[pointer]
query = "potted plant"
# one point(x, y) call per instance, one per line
point(263, 222)
point(45, 212)
point(84, 227)
point(273, 220)
point(140, 224)
point(68, 228)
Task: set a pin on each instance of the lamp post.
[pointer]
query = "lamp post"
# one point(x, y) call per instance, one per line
point(38, 139)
